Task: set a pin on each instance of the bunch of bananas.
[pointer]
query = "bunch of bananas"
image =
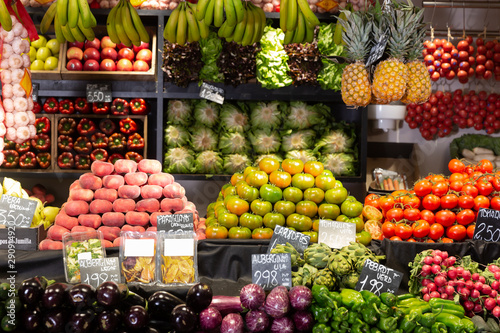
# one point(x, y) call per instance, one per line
point(124, 25)
point(73, 20)
point(212, 11)
point(298, 21)
point(182, 25)
point(5, 19)
point(249, 30)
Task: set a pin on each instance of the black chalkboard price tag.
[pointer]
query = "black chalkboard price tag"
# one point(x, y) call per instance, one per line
point(283, 235)
point(212, 93)
point(377, 50)
point(378, 279)
point(175, 223)
point(97, 271)
point(34, 92)
point(17, 212)
point(336, 234)
point(99, 92)
point(487, 225)
point(272, 270)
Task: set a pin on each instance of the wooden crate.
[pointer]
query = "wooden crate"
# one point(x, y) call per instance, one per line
point(53, 74)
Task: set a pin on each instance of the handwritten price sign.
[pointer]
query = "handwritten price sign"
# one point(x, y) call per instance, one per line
point(16, 211)
point(271, 270)
point(336, 234)
point(212, 93)
point(97, 271)
point(378, 279)
point(98, 92)
point(487, 225)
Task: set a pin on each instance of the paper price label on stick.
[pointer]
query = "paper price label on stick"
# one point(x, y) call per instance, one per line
point(16, 212)
point(283, 235)
point(98, 92)
point(97, 271)
point(272, 270)
point(487, 225)
point(378, 278)
point(336, 234)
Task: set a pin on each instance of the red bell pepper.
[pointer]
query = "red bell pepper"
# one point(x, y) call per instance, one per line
point(107, 126)
point(27, 160)
point(37, 108)
point(82, 106)
point(24, 147)
point(42, 125)
point(66, 160)
point(115, 157)
point(135, 142)
point(82, 162)
point(99, 155)
point(138, 106)
point(119, 107)
point(43, 160)
point(41, 142)
point(51, 105)
point(99, 140)
point(117, 142)
point(128, 126)
point(100, 108)
point(64, 143)
point(66, 107)
point(67, 126)
point(11, 159)
point(86, 127)
point(8, 145)
point(134, 156)
point(82, 145)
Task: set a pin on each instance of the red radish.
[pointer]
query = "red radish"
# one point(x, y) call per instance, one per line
point(487, 75)
point(435, 294)
point(486, 290)
point(425, 282)
point(478, 308)
point(424, 290)
point(440, 281)
point(428, 260)
point(426, 297)
point(496, 311)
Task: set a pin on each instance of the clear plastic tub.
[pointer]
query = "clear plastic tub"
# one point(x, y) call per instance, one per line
point(80, 245)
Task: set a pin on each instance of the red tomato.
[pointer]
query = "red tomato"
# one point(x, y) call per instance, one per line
point(411, 201)
point(422, 188)
point(404, 231)
point(470, 231)
point(484, 187)
point(394, 214)
point(446, 240)
point(440, 188)
point(421, 228)
point(466, 216)
point(485, 166)
point(481, 202)
point(470, 190)
point(495, 203)
point(436, 178)
point(457, 176)
point(411, 214)
point(436, 231)
point(427, 215)
point(496, 182)
point(466, 201)
point(455, 165)
point(388, 229)
point(456, 185)
point(372, 200)
point(431, 202)
point(386, 202)
point(395, 238)
point(445, 217)
point(449, 201)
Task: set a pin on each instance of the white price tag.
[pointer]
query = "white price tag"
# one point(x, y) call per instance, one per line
point(139, 248)
point(178, 247)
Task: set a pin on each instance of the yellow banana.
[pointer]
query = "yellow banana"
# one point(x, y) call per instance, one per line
point(170, 31)
point(300, 32)
point(307, 12)
point(67, 34)
point(239, 30)
point(57, 28)
point(139, 26)
point(230, 13)
point(88, 32)
point(62, 11)
point(239, 9)
point(201, 9)
point(249, 29)
point(258, 24)
point(181, 33)
point(204, 29)
point(110, 25)
point(128, 25)
point(5, 19)
point(337, 35)
point(73, 13)
point(94, 21)
point(77, 33)
point(189, 35)
point(85, 13)
point(218, 13)
point(291, 16)
point(209, 14)
point(120, 30)
point(309, 34)
point(192, 24)
point(288, 37)
point(283, 14)
point(47, 19)
point(263, 21)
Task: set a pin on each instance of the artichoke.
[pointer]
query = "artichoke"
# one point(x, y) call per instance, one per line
point(298, 277)
point(340, 263)
point(308, 275)
point(326, 278)
point(288, 248)
point(317, 255)
point(349, 280)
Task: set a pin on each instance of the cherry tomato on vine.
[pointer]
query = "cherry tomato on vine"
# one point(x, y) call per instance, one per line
point(466, 201)
point(388, 229)
point(372, 200)
point(431, 202)
point(446, 240)
point(386, 202)
point(445, 217)
point(457, 176)
point(456, 185)
point(403, 230)
point(481, 202)
point(394, 214)
point(485, 166)
point(411, 201)
point(440, 188)
point(455, 165)
point(436, 231)
point(470, 190)
point(484, 187)
point(422, 188)
point(466, 216)
point(421, 228)
point(449, 201)
point(437, 178)
point(470, 231)
point(427, 215)
point(496, 182)
point(495, 203)
point(411, 214)
point(395, 238)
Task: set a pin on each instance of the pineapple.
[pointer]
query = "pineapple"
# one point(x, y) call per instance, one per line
point(356, 90)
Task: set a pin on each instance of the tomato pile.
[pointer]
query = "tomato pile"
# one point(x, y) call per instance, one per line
point(439, 208)
point(291, 194)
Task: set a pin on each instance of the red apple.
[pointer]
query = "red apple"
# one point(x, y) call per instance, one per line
point(145, 55)
point(107, 42)
point(141, 66)
point(121, 46)
point(91, 53)
point(74, 65)
point(91, 65)
point(107, 65)
point(141, 47)
point(124, 65)
point(74, 53)
point(75, 44)
point(126, 53)
point(96, 44)
point(109, 53)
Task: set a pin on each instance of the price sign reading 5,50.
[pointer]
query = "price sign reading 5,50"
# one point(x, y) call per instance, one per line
point(372, 285)
point(267, 279)
point(95, 279)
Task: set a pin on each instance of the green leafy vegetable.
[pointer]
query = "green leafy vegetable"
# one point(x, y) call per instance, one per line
point(302, 116)
point(179, 112)
point(232, 118)
point(265, 115)
point(233, 143)
point(297, 140)
point(303, 155)
point(471, 141)
point(211, 48)
point(176, 136)
point(179, 160)
point(338, 140)
point(265, 141)
point(209, 162)
point(206, 113)
point(203, 138)
point(236, 163)
point(340, 164)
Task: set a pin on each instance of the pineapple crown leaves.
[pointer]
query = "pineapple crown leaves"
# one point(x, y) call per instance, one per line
point(401, 26)
point(356, 35)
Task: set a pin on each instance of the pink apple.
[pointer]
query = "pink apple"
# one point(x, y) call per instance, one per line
point(145, 55)
point(91, 65)
point(74, 65)
point(107, 65)
point(76, 44)
point(109, 53)
point(74, 53)
point(121, 46)
point(141, 47)
point(96, 44)
point(91, 53)
point(141, 66)
point(126, 53)
point(124, 65)
point(107, 42)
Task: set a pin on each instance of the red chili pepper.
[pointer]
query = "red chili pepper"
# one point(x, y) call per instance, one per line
point(37, 108)
point(42, 125)
point(128, 126)
point(99, 155)
point(51, 105)
point(27, 160)
point(100, 108)
point(24, 147)
point(66, 107)
point(138, 106)
point(43, 160)
point(67, 126)
point(135, 142)
point(82, 145)
point(11, 159)
point(66, 160)
point(134, 156)
point(117, 142)
point(86, 127)
point(41, 142)
point(99, 140)
point(82, 162)
point(107, 126)
point(115, 157)
point(82, 106)
point(119, 107)
point(65, 143)
point(7, 144)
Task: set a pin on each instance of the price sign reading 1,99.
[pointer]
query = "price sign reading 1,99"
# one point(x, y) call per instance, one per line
point(272, 270)
point(98, 92)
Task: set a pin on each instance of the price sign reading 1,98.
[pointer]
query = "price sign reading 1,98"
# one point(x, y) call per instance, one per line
point(271, 270)
point(378, 278)
point(212, 93)
point(98, 92)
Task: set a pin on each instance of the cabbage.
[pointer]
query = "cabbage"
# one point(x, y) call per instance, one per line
point(275, 156)
point(326, 45)
point(265, 115)
point(233, 143)
point(176, 136)
point(209, 162)
point(206, 113)
point(203, 138)
point(179, 112)
point(265, 141)
point(233, 119)
point(340, 164)
point(211, 48)
point(301, 116)
point(179, 160)
point(234, 163)
point(339, 140)
point(303, 155)
point(298, 140)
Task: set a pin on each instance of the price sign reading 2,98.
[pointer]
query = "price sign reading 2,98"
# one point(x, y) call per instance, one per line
point(98, 92)
point(272, 270)
point(487, 225)
point(378, 278)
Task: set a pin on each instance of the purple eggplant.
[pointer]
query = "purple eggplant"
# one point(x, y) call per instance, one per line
point(210, 318)
point(277, 304)
point(32, 319)
point(303, 320)
point(300, 297)
point(109, 320)
point(55, 295)
point(81, 322)
point(161, 304)
point(31, 290)
point(282, 325)
point(257, 321)
point(136, 317)
point(108, 294)
point(133, 299)
point(199, 296)
point(232, 323)
point(183, 318)
point(227, 304)
point(252, 296)
point(81, 296)
point(54, 320)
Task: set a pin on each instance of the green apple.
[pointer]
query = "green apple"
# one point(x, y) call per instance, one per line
point(53, 45)
point(51, 63)
point(37, 65)
point(40, 42)
point(43, 53)
point(32, 54)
